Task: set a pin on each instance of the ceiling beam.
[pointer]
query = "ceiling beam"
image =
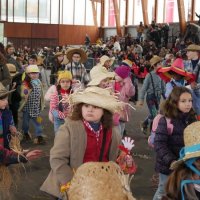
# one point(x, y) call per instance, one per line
point(117, 17)
point(145, 12)
point(181, 14)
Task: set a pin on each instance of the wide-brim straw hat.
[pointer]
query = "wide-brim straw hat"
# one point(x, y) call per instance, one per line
point(99, 181)
point(191, 139)
point(40, 61)
point(97, 96)
point(155, 59)
point(176, 67)
point(71, 52)
point(59, 54)
point(105, 58)
point(193, 47)
point(32, 69)
point(12, 69)
point(127, 62)
point(3, 90)
point(99, 73)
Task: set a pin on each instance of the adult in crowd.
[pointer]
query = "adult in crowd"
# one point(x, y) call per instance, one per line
point(5, 77)
point(77, 57)
point(193, 65)
point(56, 66)
point(140, 30)
point(10, 50)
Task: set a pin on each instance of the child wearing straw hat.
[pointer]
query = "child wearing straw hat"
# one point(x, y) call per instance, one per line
point(178, 109)
point(32, 103)
point(184, 182)
point(59, 106)
point(87, 135)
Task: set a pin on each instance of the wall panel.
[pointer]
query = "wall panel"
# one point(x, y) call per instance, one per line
point(17, 30)
point(70, 34)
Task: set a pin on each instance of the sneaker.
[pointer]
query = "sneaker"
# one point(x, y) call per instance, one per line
point(39, 140)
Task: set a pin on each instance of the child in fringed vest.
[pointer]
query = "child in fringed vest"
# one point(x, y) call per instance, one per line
point(32, 103)
point(59, 107)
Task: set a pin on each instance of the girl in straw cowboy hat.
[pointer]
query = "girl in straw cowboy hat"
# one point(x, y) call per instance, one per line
point(184, 181)
point(87, 135)
point(32, 103)
point(178, 109)
point(59, 107)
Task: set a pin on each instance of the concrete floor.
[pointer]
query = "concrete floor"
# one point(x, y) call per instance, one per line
point(27, 187)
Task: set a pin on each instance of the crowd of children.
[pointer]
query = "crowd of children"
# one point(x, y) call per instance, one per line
point(90, 111)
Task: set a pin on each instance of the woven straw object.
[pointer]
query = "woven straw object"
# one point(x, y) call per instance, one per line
point(97, 97)
point(191, 137)
point(99, 181)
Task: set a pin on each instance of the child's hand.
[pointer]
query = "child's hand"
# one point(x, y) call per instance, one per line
point(65, 99)
point(13, 130)
point(31, 155)
point(128, 143)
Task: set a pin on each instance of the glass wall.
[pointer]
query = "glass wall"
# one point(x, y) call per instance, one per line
point(3, 10)
point(80, 12)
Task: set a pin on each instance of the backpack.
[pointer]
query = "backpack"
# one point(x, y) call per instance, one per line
point(170, 127)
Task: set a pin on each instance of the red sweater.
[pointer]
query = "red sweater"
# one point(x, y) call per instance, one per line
point(94, 143)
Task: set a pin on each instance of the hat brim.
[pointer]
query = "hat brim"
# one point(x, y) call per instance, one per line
point(97, 80)
point(70, 53)
point(191, 49)
point(106, 102)
point(164, 73)
point(188, 156)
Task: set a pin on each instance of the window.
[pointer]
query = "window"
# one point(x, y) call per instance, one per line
point(138, 17)
point(160, 11)
point(79, 15)
point(89, 13)
point(19, 10)
point(54, 11)
point(151, 10)
point(10, 10)
point(197, 10)
point(98, 14)
point(122, 12)
point(68, 11)
point(3, 10)
point(32, 11)
point(44, 11)
point(130, 12)
point(171, 11)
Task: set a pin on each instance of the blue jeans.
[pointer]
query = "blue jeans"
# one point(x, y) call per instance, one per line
point(153, 109)
point(25, 124)
point(160, 192)
point(57, 123)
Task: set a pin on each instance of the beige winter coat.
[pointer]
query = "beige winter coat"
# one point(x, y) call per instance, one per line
point(68, 153)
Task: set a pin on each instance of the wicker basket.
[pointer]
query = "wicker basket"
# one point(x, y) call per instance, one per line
point(99, 181)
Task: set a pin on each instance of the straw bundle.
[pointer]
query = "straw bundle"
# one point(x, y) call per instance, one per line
point(99, 181)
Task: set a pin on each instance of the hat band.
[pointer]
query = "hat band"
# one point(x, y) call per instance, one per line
point(188, 150)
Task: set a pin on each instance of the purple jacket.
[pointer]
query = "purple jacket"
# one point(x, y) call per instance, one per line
point(167, 146)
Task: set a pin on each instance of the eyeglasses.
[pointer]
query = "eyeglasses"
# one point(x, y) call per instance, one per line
point(76, 57)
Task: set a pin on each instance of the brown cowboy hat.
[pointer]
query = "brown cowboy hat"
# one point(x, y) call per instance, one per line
point(72, 51)
point(3, 90)
point(12, 69)
point(193, 47)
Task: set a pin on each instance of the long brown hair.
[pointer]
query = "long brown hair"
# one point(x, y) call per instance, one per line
point(173, 185)
point(106, 119)
point(170, 107)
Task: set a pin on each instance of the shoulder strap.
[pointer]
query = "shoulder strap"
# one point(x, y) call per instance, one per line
point(198, 71)
point(170, 126)
point(103, 145)
point(152, 83)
